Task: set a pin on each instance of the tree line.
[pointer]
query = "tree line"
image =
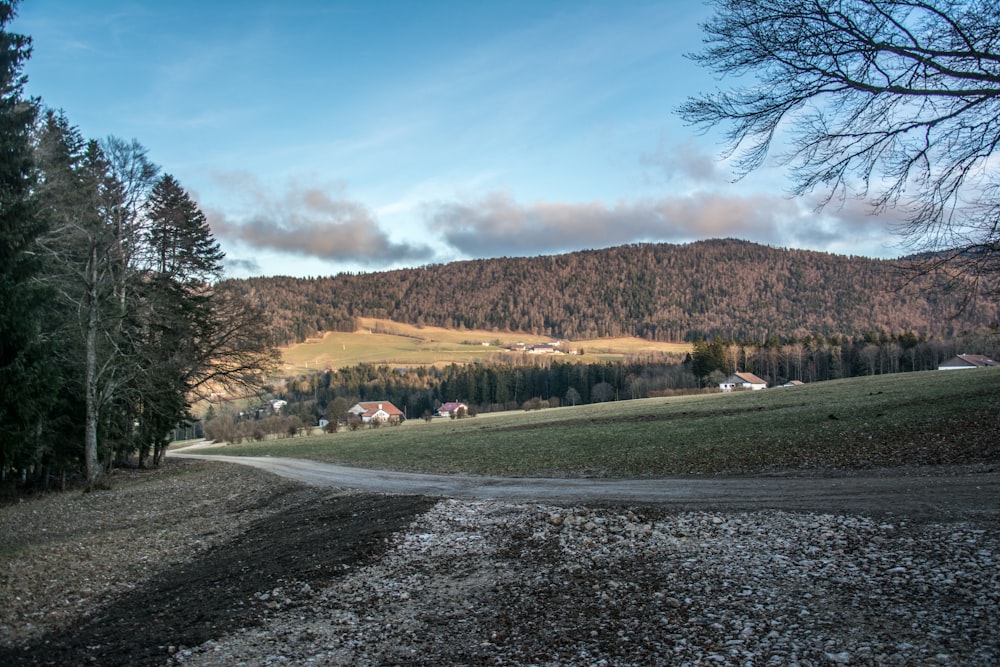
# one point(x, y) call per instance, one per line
point(112, 316)
point(530, 383)
point(815, 358)
point(734, 289)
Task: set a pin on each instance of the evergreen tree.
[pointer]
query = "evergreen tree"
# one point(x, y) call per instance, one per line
point(122, 270)
point(708, 357)
point(84, 269)
point(180, 239)
point(175, 307)
point(23, 356)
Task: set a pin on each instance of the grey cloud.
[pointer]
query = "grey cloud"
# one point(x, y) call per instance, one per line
point(242, 265)
point(498, 225)
point(809, 221)
point(840, 223)
point(685, 162)
point(312, 222)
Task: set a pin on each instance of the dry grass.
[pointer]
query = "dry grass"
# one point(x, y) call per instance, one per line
point(385, 341)
point(630, 346)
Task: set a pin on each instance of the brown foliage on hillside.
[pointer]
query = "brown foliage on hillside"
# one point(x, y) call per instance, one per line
point(734, 289)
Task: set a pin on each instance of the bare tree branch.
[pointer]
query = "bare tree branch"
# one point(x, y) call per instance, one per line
point(897, 101)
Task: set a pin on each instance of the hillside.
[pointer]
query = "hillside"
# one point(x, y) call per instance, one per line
point(735, 289)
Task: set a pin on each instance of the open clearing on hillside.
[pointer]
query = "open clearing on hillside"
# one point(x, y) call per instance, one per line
point(387, 342)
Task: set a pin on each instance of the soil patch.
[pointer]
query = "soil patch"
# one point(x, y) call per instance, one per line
point(233, 585)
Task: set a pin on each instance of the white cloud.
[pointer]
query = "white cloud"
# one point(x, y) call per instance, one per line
point(497, 224)
point(308, 221)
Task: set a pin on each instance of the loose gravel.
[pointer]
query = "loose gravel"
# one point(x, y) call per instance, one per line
point(481, 582)
point(493, 583)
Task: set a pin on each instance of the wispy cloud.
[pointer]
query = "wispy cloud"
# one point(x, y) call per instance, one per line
point(242, 265)
point(308, 221)
point(672, 162)
point(499, 225)
point(848, 226)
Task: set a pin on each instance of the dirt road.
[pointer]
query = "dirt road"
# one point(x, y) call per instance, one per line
point(938, 493)
point(209, 565)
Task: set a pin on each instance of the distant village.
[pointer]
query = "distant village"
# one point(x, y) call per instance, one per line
point(555, 347)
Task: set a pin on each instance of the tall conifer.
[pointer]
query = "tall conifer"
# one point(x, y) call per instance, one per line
point(22, 353)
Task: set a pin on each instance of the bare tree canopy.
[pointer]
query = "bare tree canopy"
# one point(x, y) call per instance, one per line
point(897, 101)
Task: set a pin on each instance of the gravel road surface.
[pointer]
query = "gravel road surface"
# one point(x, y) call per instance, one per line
point(929, 492)
point(212, 564)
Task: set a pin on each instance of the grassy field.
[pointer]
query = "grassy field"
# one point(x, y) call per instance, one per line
point(384, 341)
point(908, 419)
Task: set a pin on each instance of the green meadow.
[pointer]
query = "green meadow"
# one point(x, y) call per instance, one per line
point(929, 418)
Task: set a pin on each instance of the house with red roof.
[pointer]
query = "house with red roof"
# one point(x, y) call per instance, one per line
point(377, 411)
point(452, 409)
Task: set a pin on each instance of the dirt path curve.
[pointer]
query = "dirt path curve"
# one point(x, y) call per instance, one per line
point(917, 493)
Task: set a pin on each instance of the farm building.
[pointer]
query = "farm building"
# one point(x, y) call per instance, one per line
point(742, 381)
point(452, 408)
point(967, 361)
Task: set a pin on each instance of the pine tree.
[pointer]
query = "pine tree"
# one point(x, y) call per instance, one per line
point(83, 269)
point(175, 309)
point(181, 241)
point(199, 337)
point(23, 355)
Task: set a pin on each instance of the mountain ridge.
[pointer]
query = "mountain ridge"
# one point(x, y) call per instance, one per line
point(667, 292)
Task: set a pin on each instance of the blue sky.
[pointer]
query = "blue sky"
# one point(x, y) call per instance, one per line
point(322, 137)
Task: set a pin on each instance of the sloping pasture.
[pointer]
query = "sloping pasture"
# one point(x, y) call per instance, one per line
point(937, 417)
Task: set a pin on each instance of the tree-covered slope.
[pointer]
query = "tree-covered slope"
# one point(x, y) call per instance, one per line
point(732, 288)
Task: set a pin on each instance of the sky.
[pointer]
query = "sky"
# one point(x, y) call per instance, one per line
point(322, 137)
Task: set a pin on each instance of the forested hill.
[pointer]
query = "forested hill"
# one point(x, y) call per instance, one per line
point(735, 289)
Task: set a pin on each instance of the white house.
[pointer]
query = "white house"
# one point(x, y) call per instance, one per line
point(452, 408)
point(379, 411)
point(967, 361)
point(742, 381)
